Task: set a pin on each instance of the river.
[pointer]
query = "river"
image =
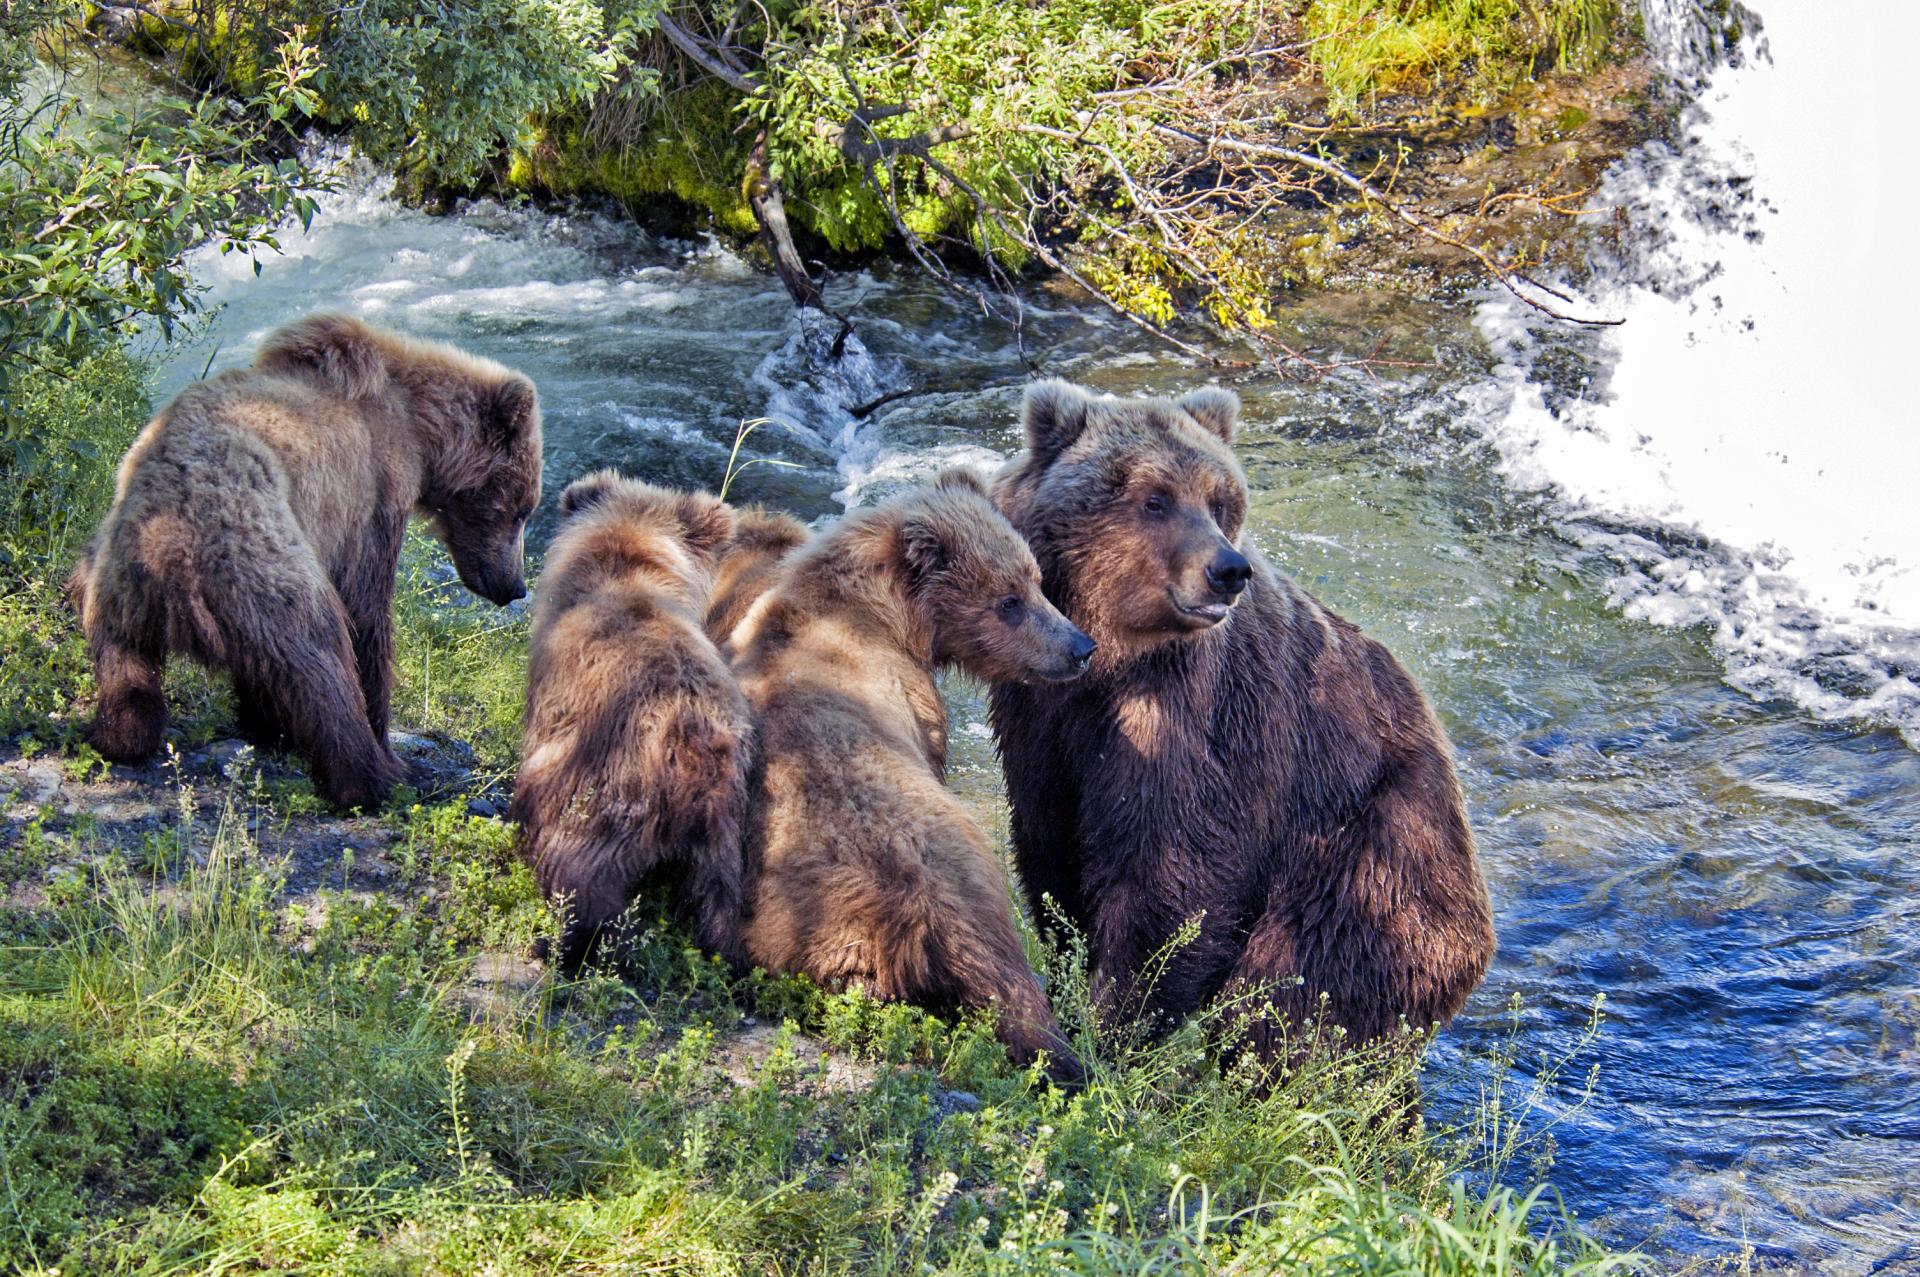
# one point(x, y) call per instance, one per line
point(1728, 856)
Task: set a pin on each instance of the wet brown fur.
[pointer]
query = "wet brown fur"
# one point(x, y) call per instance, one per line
point(257, 523)
point(762, 540)
point(637, 744)
point(869, 871)
point(1277, 772)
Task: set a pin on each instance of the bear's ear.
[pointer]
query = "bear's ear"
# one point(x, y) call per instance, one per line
point(587, 491)
point(1055, 413)
point(511, 409)
point(960, 479)
point(708, 522)
point(922, 548)
point(1215, 408)
point(337, 351)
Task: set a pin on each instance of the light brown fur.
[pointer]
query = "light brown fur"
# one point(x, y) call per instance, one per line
point(256, 527)
point(869, 871)
point(635, 756)
point(762, 540)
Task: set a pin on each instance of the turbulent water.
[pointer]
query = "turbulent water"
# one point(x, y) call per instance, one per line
point(1753, 400)
point(1736, 872)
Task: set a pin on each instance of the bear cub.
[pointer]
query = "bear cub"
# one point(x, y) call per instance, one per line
point(868, 870)
point(762, 540)
point(256, 527)
point(637, 743)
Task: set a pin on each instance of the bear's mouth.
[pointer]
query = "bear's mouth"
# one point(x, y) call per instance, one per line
point(1202, 614)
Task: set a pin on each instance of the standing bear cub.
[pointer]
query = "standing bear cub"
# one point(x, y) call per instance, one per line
point(868, 870)
point(257, 523)
point(1238, 753)
point(634, 759)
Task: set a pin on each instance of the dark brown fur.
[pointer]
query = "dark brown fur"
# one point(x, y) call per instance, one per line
point(257, 524)
point(762, 540)
point(637, 744)
point(1274, 770)
point(869, 871)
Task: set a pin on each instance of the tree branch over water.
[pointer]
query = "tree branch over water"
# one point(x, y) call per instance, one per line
point(1151, 177)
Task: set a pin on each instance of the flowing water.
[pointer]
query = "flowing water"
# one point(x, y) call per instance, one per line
point(1681, 737)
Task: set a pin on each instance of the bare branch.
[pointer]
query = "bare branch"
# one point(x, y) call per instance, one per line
point(1508, 278)
point(707, 56)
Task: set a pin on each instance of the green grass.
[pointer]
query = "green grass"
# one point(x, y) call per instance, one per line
point(1366, 47)
point(199, 1076)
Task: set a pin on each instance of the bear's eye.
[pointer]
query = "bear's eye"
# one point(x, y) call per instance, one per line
point(1158, 503)
point(1009, 609)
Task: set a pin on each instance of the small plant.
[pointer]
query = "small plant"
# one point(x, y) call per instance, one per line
point(735, 466)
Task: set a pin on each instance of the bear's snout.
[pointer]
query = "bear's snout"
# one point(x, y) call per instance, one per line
point(1229, 573)
point(1080, 649)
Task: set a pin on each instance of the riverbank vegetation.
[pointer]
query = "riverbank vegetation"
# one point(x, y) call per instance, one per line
point(1186, 162)
point(240, 1034)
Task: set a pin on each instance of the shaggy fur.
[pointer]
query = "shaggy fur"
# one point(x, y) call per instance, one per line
point(637, 741)
point(762, 540)
point(869, 871)
point(257, 524)
point(1238, 752)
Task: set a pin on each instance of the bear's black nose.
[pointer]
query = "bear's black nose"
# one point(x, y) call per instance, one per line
point(1081, 649)
point(1229, 573)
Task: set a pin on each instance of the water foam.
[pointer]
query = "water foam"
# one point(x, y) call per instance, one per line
point(1750, 416)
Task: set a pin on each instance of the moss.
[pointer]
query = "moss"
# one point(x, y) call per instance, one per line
point(685, 150)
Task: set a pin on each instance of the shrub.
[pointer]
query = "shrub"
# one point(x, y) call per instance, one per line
point(1369, 46)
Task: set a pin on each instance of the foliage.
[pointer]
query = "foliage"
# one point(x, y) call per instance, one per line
point(101, 206)
point(208, 1075)
point(439, 93)
point(1365, 47)
point(59, 442)
point(459, 664)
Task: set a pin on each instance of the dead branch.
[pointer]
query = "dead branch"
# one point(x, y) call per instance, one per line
point(707, 57)
point(1509, 278)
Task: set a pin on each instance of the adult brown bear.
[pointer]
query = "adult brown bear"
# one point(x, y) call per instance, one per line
point(867, 871)
point(634, 760)
point(256, 527)
point(1238, 753)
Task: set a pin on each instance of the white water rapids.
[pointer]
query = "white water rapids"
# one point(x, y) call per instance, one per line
point(1746, 447)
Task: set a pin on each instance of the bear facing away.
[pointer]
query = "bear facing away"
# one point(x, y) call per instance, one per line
point(257, 524)
point(762, 540)
point(634, 759)
point(868, 870)
point(1238, 751)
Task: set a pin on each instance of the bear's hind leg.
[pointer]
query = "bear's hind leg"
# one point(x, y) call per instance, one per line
point(132, 713)
point(293, 667)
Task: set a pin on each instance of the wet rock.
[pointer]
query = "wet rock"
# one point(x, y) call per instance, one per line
point(947, 1103)
point(484, 806)
point(436, 765)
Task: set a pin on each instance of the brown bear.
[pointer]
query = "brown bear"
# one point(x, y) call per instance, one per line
point(868, 870)
point(762, 539)
point(1238, 753)
point(637, 743)
point(257, 523)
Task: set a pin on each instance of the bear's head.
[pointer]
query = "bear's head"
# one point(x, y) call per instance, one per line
point(1133, 509)
point(623, 524)
point(978, 585)
point(484, 481)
